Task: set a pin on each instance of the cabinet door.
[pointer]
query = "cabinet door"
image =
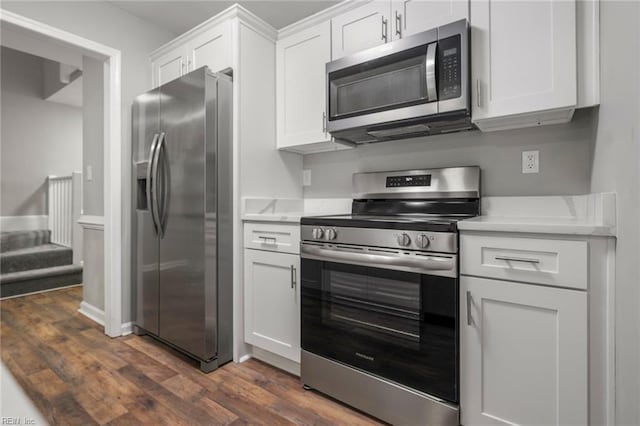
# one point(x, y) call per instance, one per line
point(361, 28)
point(413, 16)
point(169, 66)
point(523, 354)
point(212, 48)
point(272, 302)
point(523, 57)
point(301, 98)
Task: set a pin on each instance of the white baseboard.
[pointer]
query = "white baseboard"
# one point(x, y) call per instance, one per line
point(244, 358)
point(24, 223)
point(97, 315)
point(126, 328)
point(92, 312)
point(277, 361)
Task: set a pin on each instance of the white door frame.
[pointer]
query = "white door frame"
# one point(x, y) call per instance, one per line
point(112, 157)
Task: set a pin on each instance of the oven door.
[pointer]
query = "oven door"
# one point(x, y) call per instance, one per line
point(398, 325)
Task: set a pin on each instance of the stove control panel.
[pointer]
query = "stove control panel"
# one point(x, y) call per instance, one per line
point(328, 234)
point(317, 233)
point(444, 242)
point(423, 241)
point(404, 239)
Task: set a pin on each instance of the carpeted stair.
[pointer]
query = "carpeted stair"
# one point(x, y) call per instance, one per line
point(29, 262)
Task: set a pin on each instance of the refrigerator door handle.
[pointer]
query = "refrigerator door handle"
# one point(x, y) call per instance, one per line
point(155, 208)
point(163, 208)
point(151, 182)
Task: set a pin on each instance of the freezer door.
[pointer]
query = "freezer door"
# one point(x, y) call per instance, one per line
point(187, 290)
point(146, 248)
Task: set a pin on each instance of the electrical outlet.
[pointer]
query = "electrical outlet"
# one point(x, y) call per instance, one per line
point(530, 161)
point(306, 178)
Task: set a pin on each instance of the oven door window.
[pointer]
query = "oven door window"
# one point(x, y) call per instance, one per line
point(391, 82)
point(400, 326)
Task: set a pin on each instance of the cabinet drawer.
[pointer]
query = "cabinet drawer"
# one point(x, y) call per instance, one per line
point(272, 237)
point(560, 263)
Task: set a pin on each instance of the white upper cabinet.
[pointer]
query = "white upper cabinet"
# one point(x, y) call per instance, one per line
point(211, 48)
point(367, 26)
point(300, 86)
point(524, 354)
point(169, 66)
point(523, 62)
point(414, 16)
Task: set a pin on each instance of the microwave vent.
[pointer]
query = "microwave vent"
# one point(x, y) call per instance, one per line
point(398, 131)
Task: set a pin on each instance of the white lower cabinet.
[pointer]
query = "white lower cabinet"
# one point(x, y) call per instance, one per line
point(523, 354)
point(272, 302)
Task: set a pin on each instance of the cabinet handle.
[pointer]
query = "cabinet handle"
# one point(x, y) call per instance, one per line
point(324, 122)
point(518, 259)
point(293, 276)
point(385, 30)
point(478, 92)
point(266, 239)
point(469, 320)
point(398, 24)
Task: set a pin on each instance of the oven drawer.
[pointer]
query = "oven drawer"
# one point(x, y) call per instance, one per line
point(555, 262)
point(272, 237)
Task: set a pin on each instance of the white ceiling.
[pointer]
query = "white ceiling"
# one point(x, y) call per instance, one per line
point(180, 16)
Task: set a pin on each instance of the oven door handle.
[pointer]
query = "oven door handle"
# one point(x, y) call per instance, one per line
point(427, 264)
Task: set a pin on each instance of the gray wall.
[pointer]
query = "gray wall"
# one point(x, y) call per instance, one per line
point(135, 38)
point(39, 138)
point(616, 167)
point(565, 159)
point(93, 268)
point(93, 136)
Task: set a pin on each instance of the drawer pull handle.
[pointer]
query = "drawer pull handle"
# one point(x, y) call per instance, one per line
point(293, 277)
point(265, 240)
point(518, 259)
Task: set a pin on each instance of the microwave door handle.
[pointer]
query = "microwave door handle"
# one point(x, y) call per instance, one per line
point(430, 62)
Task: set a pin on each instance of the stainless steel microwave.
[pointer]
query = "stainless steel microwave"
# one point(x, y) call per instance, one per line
point(407, 88)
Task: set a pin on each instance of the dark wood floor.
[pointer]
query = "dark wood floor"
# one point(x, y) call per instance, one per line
point(78, 376)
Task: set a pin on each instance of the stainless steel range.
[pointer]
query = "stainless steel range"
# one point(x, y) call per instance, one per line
point(380, 295)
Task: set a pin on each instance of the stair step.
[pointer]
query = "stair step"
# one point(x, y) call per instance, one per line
point(23, 282)
point(43, 256)
point(16, 240)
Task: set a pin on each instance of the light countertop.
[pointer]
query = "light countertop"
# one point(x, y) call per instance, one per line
point(289, 217)
point(590, 214)
point(290, 210)
point(536, 225)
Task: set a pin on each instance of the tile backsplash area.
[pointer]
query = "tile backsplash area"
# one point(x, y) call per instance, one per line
point(565, 159)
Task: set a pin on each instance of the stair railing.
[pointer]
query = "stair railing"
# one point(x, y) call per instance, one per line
point(64, 201)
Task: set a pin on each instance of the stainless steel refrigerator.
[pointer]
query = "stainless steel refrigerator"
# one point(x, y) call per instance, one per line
point(182, 219)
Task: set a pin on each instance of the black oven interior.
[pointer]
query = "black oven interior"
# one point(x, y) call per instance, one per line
point(401, 326)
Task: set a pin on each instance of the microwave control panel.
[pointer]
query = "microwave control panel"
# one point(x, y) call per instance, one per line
point(449, 68)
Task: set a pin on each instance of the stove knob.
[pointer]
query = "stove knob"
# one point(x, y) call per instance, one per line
point(317, 233)
point(331, 234)
point(404, 239)
point(423, 241)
